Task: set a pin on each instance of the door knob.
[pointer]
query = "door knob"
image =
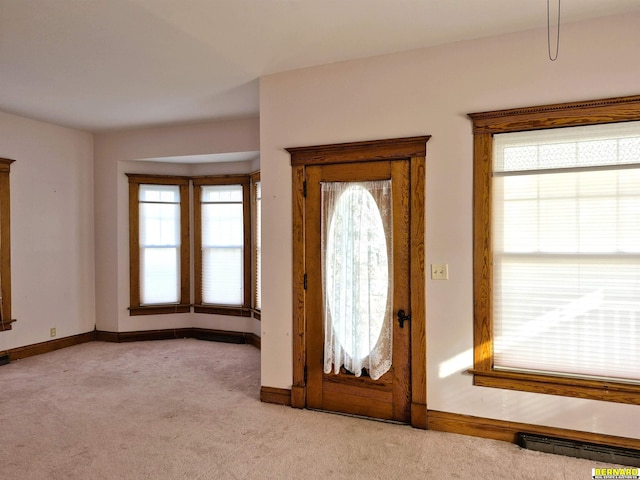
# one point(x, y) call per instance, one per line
point(402, 317)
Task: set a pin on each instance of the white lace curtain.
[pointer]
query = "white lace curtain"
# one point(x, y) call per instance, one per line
point(357, 276)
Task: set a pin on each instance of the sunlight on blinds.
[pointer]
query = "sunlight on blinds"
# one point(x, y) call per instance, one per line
point(222, 244)
point(566, 251)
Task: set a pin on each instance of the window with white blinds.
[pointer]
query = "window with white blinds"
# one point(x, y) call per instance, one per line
point(222, 230)
point(159, 229)
point(164, 277)
point(566, 251)
point(257, 297)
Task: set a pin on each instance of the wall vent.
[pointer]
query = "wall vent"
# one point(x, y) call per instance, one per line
point(573, 448)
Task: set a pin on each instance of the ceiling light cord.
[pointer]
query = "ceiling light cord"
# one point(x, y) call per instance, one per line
point(553, 58)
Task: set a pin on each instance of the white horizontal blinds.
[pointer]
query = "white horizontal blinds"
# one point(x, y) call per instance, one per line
point(566, 212)
point(258, 246)
point(159, 207)
point(222, 244)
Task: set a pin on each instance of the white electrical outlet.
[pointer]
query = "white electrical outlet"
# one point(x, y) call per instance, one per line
point(52, 332)
point(439, 271)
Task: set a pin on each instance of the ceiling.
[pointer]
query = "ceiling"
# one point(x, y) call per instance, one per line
point(116, 64)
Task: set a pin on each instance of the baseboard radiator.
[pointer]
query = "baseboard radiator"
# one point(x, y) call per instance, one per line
point(574, 448)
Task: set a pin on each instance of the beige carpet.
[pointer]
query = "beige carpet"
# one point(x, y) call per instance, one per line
point(189, 409)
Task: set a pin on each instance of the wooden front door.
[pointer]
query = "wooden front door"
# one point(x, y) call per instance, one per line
point(320, 380)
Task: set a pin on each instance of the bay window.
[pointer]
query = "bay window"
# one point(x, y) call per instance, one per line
point(160, 226)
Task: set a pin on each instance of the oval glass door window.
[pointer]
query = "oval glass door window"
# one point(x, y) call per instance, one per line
point(357, 272)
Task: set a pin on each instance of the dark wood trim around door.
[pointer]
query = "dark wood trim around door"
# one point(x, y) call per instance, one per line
point(278, 396)
point(414, 150)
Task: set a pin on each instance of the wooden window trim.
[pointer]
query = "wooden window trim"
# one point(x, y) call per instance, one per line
point(485, 125)
point(5, 245)
point(254, 178)
point(222, 310)
point(243, 310)
point(184, 306)
point(135, 308)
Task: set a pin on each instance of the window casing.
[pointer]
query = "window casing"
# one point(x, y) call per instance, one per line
point(5, 246)
point(256, 233)
point(504, 254)
point(222, 224)
point(159, 244)
point(222, 242)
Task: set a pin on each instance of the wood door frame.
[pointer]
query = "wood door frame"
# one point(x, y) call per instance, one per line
point(414, 150)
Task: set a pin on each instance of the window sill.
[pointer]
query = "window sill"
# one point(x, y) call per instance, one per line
point(6, 324)
point(552, 385)
point(159, 309)
point(223, 310)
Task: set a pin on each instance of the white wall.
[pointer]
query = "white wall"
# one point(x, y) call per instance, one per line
point(118, 153)
point(430, 91)
point(52, 244)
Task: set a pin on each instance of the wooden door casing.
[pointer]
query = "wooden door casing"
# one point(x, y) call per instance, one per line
point(412, 149)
